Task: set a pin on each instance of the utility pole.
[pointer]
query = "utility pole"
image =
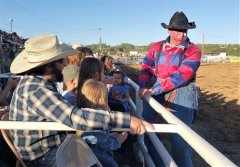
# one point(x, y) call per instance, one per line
point(203, 43)
point(100, 40)
point(11, 20)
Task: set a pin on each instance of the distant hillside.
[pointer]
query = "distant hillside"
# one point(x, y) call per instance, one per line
point(230, 49)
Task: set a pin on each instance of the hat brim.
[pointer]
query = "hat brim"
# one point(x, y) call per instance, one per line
point(20, 64)
point(185, 27)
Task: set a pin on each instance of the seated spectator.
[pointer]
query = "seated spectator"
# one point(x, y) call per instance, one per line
point(94, 95)
point(73, 59)
point(109, 67)
point(11, 84)
point(7, 158)
point(119, 93)
point(70, 79)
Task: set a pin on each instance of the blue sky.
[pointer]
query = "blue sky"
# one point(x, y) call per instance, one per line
point(122, 21)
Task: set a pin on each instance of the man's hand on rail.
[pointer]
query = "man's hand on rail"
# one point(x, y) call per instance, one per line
point(138, 126)
point(144, 91)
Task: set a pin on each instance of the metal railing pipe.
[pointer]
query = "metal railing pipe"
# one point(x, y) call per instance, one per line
point(164, 128)
point(168, 161)
point(147, 158)
point(210, 154)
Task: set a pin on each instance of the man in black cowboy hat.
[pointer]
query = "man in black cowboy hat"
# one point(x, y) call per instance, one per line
point(172, 65)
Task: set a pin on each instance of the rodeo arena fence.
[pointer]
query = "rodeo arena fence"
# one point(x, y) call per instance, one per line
point(210, 154)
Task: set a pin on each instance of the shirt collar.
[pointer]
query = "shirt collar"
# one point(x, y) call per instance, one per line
point(185, 44)
point(40, 79)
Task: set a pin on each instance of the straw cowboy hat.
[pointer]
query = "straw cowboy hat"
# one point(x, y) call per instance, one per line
point(179, 21)
point(38, 51)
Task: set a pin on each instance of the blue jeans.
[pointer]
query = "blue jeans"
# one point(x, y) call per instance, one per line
point(183, 107)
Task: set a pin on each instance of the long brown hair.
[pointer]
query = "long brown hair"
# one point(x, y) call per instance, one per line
point(90, 66)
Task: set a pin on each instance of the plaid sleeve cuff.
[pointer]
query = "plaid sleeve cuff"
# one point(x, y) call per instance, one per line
point(119, 120)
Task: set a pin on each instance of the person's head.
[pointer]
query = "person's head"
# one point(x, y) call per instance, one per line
point(89, 52)
point(91, 68)
point(6, 47)
point(118, 78)
point(74, 59)
point(94, 94)
point(43, 55)
point(84, 52)
point(107, 61)
point(51, 71)
point(178, 27)
point(70, 76)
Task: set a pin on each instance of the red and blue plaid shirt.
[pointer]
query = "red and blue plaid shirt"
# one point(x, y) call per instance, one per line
point(172, 73)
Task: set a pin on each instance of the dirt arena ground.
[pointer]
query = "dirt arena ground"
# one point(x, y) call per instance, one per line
point(218, 121)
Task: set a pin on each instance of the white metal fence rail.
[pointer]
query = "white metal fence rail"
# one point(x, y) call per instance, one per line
point(162, 152)
point(210, 154)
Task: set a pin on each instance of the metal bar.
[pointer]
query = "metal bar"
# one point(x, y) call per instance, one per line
point(131, 103)
point(61, 127)
point(168, 161)
point(7, 75)
point(134, 85)
point(210, 154)
point(147, 158)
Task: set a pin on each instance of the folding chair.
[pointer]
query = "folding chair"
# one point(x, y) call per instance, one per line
point(6, 136)
point(75, 152)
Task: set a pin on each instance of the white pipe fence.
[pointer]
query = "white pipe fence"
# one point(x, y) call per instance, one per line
point(163, 128)
point(162, 152)
point(7, 75)
point(210, 154)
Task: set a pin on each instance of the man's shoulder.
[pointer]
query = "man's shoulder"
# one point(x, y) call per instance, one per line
point(33, 83)
point(194, 47)
point(156, 45)
point(29, 81)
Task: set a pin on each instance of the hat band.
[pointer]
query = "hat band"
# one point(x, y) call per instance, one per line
point(41, 56)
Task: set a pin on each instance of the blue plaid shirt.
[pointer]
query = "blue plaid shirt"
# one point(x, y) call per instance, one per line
point(36, 99)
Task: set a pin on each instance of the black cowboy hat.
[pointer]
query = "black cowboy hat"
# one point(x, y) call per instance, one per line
point(179, 21)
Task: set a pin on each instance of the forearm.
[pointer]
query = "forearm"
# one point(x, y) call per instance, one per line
point(54, 107)
point(87, 119)
point(4, 93)
point(126, 99)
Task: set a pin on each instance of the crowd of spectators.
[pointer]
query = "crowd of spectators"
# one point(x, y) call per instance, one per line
point(11, 44)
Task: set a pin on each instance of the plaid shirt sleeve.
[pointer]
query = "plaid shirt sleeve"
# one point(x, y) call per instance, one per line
point(52, 105)
point(148, 66)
